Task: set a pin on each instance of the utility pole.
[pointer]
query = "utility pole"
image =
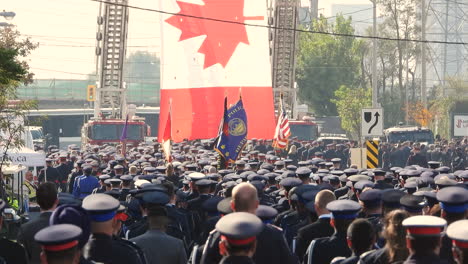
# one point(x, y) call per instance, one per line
point(374, 56)
point(423, 54)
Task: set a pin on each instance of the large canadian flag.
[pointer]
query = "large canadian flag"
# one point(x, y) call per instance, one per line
point(204, 59)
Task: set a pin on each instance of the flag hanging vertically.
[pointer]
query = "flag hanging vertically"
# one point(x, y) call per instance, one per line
point(233, 135)
point(207, 59)
point(167, 136)
point(282, 132)
point(123, 137)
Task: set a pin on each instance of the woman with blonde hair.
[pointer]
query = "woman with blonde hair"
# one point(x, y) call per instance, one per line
point(395, 249)
point(292, 154)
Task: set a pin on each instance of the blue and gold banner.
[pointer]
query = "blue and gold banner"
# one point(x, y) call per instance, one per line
point(233, 133)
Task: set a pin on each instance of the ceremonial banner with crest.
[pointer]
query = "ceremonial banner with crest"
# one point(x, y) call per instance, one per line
point(233, 135)
point(204, 59)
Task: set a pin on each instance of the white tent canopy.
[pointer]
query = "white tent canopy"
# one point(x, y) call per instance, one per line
point(24, 156)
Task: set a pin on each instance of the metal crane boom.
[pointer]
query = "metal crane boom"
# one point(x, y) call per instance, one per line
point(284, 52)
point(110, 51)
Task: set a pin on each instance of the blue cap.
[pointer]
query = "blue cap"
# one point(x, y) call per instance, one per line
point(391, 198)
point(101, 207)
point(458, 232)
point(155, 197)
point(356, 178)
point(126, 178)
point(256, 177)
point(344, 209)
point(290, 182)
point(239, 228)
point(361, 185)
point(58, 238)
point(266, 213)
point(412, 203)
point(303, 171)
point(74, 215)
point(204, 182)
point(424, 226)
point(104, 177)
point(453, 199)
point(371, 198)
point(211, 205)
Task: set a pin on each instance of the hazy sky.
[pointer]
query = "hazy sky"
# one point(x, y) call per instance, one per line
point(66, 32)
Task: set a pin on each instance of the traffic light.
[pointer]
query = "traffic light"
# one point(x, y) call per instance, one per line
point(91, 94)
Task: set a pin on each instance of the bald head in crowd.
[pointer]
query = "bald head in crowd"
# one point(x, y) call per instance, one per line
point(322, 199)
point(244, 198)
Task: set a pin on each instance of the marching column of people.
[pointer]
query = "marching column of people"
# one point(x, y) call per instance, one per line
point(305, 205)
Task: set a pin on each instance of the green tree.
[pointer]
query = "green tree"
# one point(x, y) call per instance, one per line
point(326, 62)
point(349, 102)
point(14, 71)
point(142, 67)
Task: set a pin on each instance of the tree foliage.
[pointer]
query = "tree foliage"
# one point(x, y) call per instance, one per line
point(142, 66)
point(326, 62)
point(349, 102)
point(14, 70)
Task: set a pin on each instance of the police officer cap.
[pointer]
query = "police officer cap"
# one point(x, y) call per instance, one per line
point(290, 182)
point(391, 198)
point(336, 160)
point(371, 197)
point(63, 155)
point(204, 182)
point(156, 197)
point(303, 171)
point(240, 162)
point(101, 207)
point(224, 172)
point(413, 173)
point(360, 185)
point(104, 177)
point(211, 205)
point(239, 228)
point(272, 175)
point(49, 160)
point(412, 203)
point(118, 167)
point(224, 206)
point(443, 169)
point(458, 232)
point(291, 168)
point(411, 185)
point(120, 158)
point(323, 171)
point(75, 215)
point(149, 169)
point(262, 171)
point(445, 182)
point(256, 177)
point(195, 176)
point(267, 166)
point(266, 213)
point(126, 178)
point(114, 193)
point(115, 181)
point(344, 209)
point(337, 172)
point(379, 172)
point(334, 179)
point(279, 163)
point(424, 226)
point(245, 174)
point(453, 199)
point(351, 171)
point(357, 178)
point(56, 238)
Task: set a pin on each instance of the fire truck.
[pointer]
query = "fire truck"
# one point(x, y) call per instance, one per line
point(109, 92)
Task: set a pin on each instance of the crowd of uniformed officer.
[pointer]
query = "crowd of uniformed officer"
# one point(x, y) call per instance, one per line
point(267, 208)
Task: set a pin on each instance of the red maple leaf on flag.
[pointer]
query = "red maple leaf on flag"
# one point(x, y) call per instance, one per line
point(222, 38)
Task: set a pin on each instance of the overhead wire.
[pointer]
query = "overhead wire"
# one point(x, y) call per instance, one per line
point(282, 28)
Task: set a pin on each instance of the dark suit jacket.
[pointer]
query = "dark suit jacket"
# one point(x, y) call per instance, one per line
point(305, 235)
point(161, 248)
point(26, 236)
